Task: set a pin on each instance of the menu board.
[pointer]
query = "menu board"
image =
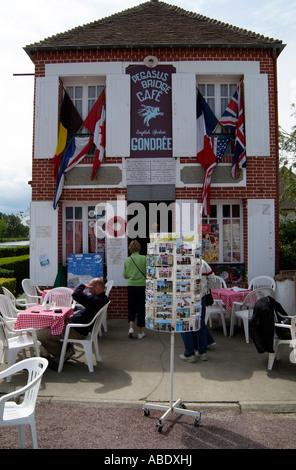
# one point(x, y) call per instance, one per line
point(173, 283)
point(84, 267)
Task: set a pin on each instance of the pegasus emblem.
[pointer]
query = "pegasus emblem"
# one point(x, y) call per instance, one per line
point(149, 112)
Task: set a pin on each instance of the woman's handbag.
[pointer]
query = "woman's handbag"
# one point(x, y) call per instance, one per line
point(209, 298)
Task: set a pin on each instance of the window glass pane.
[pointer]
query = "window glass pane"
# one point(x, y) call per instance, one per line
point(90, 104)
point(232, 90)
point(78, 237)
point(211, 90)
point(235, 210)
point(78, 213)
point(224, 90)
point(69, 238)
point(91, 91)
point(211, 103)
point(213, 209)
point(69, 212)
point(202, 89)
point(78, 106)
point(226, 241)
point(78, 92)
point(226, 210)
point(70, 91)
point(224, 103)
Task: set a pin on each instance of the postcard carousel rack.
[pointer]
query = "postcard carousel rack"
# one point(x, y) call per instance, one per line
point(173, 304)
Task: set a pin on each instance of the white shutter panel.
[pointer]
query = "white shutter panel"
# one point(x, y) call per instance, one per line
point(46, 116)
point(257, 115)
point(43, 243)
point(184, 114)
point(116, 248)
point(117, 115)
point(261, 238)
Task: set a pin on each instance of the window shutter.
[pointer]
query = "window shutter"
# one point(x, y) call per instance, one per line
point(43, 243)
point(184, 114)
point(117, 115)
point(257, 115)
point(46, 116)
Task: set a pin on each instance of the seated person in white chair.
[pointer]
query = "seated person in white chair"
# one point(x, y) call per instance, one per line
point(92, 303)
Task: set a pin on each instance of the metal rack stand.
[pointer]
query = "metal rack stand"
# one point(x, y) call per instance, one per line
point(173, 407)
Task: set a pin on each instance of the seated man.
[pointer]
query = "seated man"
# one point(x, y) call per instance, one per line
point(92, 303)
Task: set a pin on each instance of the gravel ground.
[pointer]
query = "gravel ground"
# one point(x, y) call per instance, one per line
point(83, 427)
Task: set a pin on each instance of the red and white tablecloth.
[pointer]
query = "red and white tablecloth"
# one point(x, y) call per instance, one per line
point(228, 296)
point(37, 317)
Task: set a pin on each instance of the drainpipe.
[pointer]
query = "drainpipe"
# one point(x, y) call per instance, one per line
point(277, 214)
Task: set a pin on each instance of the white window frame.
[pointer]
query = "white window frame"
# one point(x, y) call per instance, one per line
point(85, 221)
point(217, 81)
point(84, 82)
point(219, 221)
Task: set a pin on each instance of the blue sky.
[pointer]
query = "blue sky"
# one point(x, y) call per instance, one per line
point(24, 22)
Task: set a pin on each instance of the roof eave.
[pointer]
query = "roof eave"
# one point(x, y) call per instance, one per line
point(277, 46)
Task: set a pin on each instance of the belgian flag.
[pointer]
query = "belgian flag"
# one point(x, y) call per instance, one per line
point(70, 123)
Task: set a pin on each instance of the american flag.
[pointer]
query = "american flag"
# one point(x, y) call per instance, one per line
point(215, 147)
point(233, 119)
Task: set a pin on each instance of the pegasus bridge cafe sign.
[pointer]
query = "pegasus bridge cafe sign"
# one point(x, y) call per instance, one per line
point(151, 111)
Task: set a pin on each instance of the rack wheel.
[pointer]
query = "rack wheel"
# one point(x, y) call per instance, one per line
point(146, 412)
point(197, 422)
point(160, 426)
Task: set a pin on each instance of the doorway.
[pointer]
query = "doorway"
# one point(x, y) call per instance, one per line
point(145, 217)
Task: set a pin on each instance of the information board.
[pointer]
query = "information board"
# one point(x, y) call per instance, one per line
point(84, 267)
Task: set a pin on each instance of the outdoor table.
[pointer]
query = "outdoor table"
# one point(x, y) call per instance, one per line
point(230, 295)
point(37, 317)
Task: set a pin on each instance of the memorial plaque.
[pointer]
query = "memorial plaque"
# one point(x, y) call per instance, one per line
point(141, 171)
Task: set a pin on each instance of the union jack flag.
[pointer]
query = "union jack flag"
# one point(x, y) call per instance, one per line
point(233, 119)
point(215, 148)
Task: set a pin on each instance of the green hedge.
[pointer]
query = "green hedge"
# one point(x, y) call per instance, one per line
point(15, 267)
point(8, 251)
point(10, 284)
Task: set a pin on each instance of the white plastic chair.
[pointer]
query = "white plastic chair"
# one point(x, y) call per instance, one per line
point(7, 308)
point(244, 310)
point(217, 309)
point(32, 292)
point(90, 340)
point(18, 303)
point(14, 414)
point(262, 281)
point(14, 341)
point(108, 287)
point(277, 342)
point(61, 296)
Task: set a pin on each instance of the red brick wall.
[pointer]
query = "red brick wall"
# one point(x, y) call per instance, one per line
point(261, 172)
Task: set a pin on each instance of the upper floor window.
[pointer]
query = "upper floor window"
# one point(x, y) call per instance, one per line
point(84, 97)
point(217, 94)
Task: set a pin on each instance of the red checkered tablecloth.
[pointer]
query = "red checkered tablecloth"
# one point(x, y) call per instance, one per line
point(228, 296)
point(37, 317)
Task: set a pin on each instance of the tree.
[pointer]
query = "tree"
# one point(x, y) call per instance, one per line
point(287, 146)
point(3, 228)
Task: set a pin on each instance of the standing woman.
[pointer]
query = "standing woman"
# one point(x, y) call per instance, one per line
point(134, 270)
point(197, 342)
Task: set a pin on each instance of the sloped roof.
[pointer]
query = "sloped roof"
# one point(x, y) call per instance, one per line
point(154, 24)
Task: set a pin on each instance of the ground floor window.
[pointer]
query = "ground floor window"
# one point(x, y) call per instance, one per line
point(222, 233)
point(79, 223)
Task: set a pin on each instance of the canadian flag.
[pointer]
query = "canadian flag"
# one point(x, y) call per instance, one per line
point(96, 124)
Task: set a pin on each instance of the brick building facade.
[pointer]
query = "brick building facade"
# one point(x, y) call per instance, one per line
point(206, 54)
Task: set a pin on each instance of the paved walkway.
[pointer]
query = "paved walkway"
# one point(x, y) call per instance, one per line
point(132, 372)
